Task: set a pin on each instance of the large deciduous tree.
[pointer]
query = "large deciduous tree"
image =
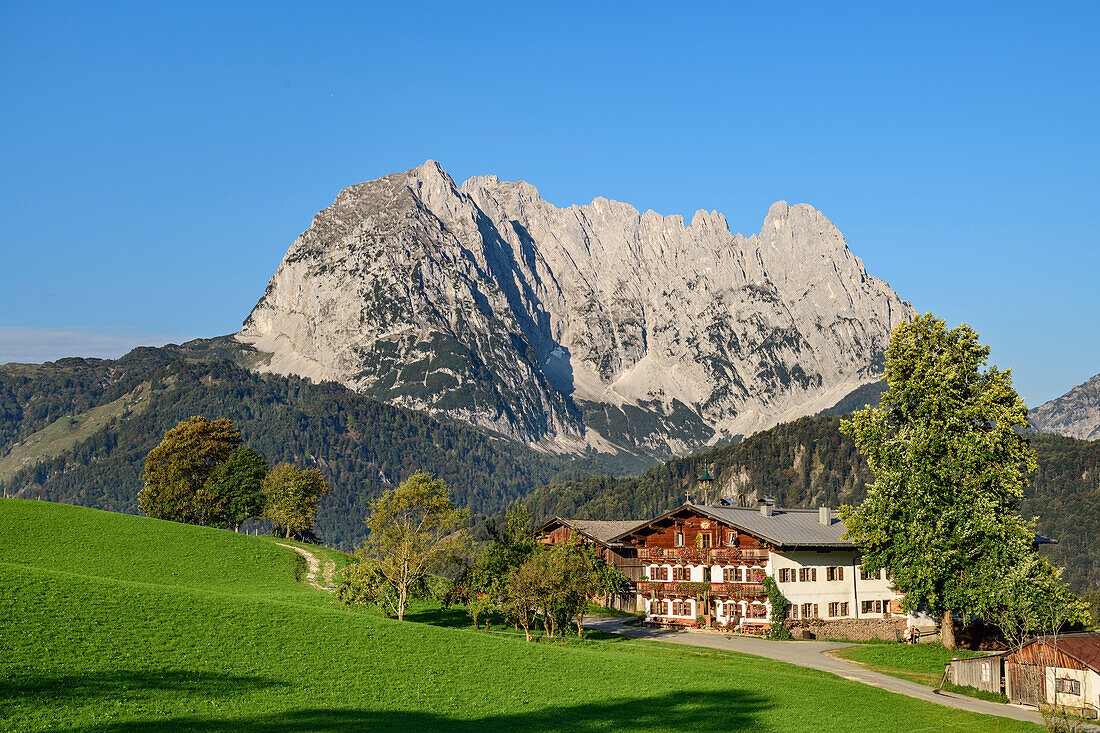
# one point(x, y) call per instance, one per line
point(239, 484)
point(414, 530)
point(176, 471)
point(949, 464)
point(290, 496)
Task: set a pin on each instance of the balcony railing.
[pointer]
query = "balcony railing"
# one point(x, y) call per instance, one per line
point(684, 589)
point(698, 555)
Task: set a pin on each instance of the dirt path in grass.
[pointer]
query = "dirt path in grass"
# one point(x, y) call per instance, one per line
point(313, 568)
point(814, 654)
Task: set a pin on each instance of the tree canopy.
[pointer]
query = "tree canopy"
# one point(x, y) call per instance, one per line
point(414, 530)
point(949, 465)
point(177, 470)
point(239, 483)
point(290, 496)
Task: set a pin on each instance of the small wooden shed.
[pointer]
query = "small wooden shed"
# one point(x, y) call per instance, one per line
point(984, 673)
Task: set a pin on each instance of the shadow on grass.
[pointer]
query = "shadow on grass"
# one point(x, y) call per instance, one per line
point(128, 684)
point(695, 711)
point(453, 618)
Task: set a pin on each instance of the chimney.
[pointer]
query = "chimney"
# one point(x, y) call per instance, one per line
point(765, 510)
point(825, 515)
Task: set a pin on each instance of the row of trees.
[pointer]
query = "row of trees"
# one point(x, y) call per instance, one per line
point(415, 532)
point(202, 473)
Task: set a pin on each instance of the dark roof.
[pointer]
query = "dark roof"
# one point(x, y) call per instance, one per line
point(600, 530)
point(1085, 648)
point(790, 528)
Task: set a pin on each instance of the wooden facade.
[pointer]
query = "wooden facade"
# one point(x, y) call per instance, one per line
point(982, 673)
point(697, 567)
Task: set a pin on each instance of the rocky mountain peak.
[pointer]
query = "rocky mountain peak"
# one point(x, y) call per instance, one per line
point(1075, 414)
point(585, 326)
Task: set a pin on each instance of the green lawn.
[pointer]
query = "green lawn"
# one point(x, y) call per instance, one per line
point(922, 663)
point(116, 623)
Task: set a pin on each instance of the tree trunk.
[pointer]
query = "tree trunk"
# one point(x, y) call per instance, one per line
point(401, 599)
point(288, 533)
point(947, 630)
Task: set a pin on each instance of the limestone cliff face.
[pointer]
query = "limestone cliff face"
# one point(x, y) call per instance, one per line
point(586, 326)
point(1075, 414)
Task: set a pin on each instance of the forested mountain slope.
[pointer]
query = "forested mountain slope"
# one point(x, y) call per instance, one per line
point(810, 462)
point(78, 430)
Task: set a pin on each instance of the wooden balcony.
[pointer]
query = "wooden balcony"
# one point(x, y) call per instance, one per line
point(701, 555)
point(682, 589)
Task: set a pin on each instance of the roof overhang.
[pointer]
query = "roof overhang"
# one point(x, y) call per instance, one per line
point(697, 509)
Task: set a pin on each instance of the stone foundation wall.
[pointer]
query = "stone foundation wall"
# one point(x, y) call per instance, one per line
point(862, 629)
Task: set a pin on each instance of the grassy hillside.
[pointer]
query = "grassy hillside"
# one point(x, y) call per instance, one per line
point(117, 623)
point(809, 462)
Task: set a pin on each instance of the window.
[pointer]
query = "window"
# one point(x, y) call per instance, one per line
point(868, 575)
point(792, 610)
point(809, 610)
point(872, 607)
point(836, 608)
point(682, 575)
point(784, 575)
point(679, 539)
point(985, 672)
point(807, 575)
point(731, 539)
point(731, 575)
point(657, 608)
point(834, 573)
point(1067, 685)
point(844, 608)
point(705, 539)
point(660, 573)
point(681, 608)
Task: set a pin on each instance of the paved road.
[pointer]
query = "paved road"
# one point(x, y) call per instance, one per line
point(812, 654)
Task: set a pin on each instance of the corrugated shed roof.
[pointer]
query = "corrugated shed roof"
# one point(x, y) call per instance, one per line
point(784, 528)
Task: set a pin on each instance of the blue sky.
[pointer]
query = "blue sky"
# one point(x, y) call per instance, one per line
point(157, 161)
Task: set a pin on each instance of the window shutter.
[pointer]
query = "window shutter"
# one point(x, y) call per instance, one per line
point(840, 573)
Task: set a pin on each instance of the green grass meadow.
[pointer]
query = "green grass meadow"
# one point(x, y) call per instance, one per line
point(117, 623)
point(920, 663)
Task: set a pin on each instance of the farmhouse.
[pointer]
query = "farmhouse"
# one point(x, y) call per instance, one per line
point(709, 562)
